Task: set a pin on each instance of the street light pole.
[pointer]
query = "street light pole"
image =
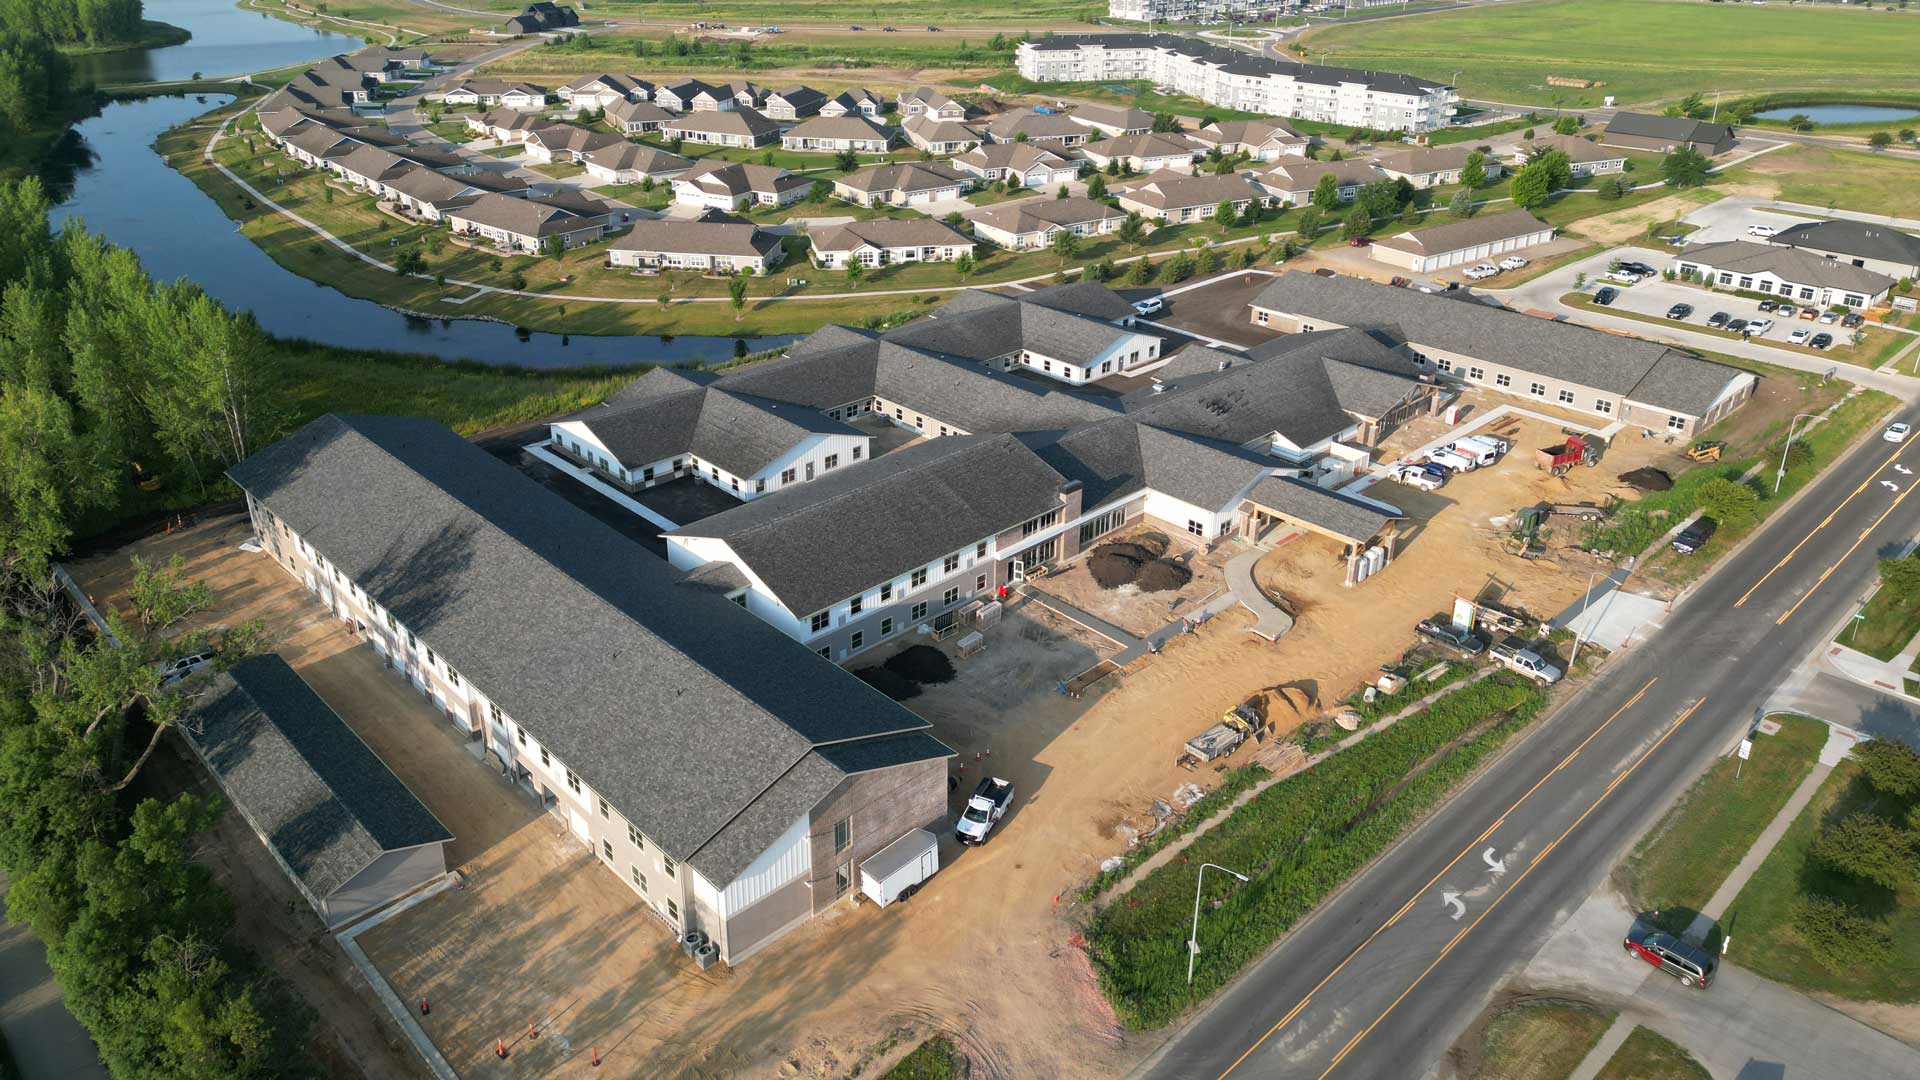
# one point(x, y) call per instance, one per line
point(1781, 474)
point(1193, 941)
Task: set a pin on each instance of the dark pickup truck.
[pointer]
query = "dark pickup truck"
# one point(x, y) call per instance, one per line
point(1446, 635)
point(1695, 535)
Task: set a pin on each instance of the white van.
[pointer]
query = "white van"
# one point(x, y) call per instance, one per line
point(1452, 459)
point(1478, 453)
point(1491, 442)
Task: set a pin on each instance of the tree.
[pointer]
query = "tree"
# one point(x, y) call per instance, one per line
point(1165, 123)
point(1729, 501)
point(1837, 933)
point(1096, 187)
point(1133, 229)
point(1907, 135)
point(1868, 847)
point(1112, 169)
point(1474, 172)
point(819, 191)
point(1800, 122)
point(1566, 125)
point(1527, 135)
point(1065, 244)
point(1357, 223)
point(953, 220)
point(1207, 262)
point(1177, 269)
point(1062, 193)
point(1326, 192)
point(964, 264)
point(855, 272)
point(1226, 214)
point(160, 597)
point(1684, 168)
point(1892, 768)
point(737, 293)
point(1879, 140)
point(1308, 224)
point(1901, 577)
point(1461, 205)
point(553, 247)
point(1139, 271)
point(846, 161)
point(1531, 186)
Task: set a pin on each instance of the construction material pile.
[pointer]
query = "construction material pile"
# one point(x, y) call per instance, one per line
point(901, 675)
point(1140, 562)
point(1648, 479)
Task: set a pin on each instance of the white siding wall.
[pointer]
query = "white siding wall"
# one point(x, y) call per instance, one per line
point(790, 857)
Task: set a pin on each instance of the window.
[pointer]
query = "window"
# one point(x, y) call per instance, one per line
point(673, 909)
point(831, 461)
point(522, 733)
point(1197, 528)
point(920, 610)
point(1537, 389)
point(606, 850)
point(825, 651)
point(950, 564)
point(1566, 397)
point(857, 641)
point(603, 809)
point(430, 658)
point(842, 879)
point(819, 621)
point(786, 476)
point(759, 486)
point(1030, 527)
point(886, 626)
point(1602, 405)
point(980, 550)
point(573, 782)
point(646, 474)
point(634, 838)
point(886, 592)
point(950, 597)
point(454, 677)
point(854, 605)
point(1476, 374)
point(1503, 379)
point(842, 835)
point(1677, 423)
point(980, 583)
point(390, 623)
point(1443, 365)
point(918, 577)
point(1746, 281)
point(640, 881)
point(856, 452)
point(667, 865)
point(412, 642)
point(546, 760)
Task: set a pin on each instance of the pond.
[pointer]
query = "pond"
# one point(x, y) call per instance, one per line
point(1842, 114)
point(227, 40)
point(107, 174)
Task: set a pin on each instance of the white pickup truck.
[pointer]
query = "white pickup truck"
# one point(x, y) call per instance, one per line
point(1526, 662)
point(984, 810)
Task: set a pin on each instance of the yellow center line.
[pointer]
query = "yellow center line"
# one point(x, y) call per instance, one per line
point(1828, 572)
point(1469, 928)
point(1864, 484)
point(1301, 1005)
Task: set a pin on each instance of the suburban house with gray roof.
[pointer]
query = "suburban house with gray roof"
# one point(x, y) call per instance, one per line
point(1029, 224)
point(793, 103)
point(1262, 140)
point(731, 186)
point(723, 127)
point(636, 117)
point(343, 828)
point(1793, 273)
point(504, 125)
point(939, 136)
point(678, 97)
point(907, 183)
point(1865, 244)
point(1584, 156)
point(1112, 120)
point(1465, 340)
point(567, 143)
point(1432, 166)
point(1643, 131)
point(855, 102)
point(726, 247)
point(631, 162)
point(832, 134)
point(1022, 164)
point(1176, 197)
point(603, 90)
point(924, 102)
point(1148, 153)
point(490, 92)
point(731, 778)
point(528, 225)
point(429, 194)
point(1292, 181)
point(885, 241)
point(1030, 125)
point(1460, 243)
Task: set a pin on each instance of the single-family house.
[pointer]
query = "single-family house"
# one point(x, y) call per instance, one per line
point(707, 246)
point(630, 163)
point(428, 193)
point(1030, 125)
point(491, 92)
point(1486, 237)
point(1262, 140)
point(678, 97)
point(833, 134)
point(568, 143)
point(731, 186)
point(636, 117)
point(1112, 121)
point(1023, 164)
point(885, 241)
point(1149, 153)
point(1642, 131)
point(855, 102)
point(368, 167)
point(543, 17)
point(730, 127)
point(1292, 181)
point(725, 96)
point(603, 90)
point(939, 136)
point(922, 101)
point(1791, 273)
point(793, 103)
point(1176, 197)
point(528, 225)
point(504, 125)
point(1432, 166)
point(1584, 156)
point(1028, 224)
point(910, 183)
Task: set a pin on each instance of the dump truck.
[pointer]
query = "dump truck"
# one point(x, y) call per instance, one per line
point(1240, 723)
point(1559, 458)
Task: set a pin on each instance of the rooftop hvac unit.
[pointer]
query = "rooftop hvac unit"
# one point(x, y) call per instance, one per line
point(989, 614)
point(705, 956)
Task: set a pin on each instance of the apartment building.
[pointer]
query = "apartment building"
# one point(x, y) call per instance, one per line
point(730, 777)
point(1235, 79)
point(1202, 11)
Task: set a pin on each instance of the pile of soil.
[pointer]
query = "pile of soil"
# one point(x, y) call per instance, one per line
point(922, 664)
point(891, 683)
point(1648, 479)
point(1137, 552)
point(1112, 569)
point(1153, 543)
point(1162, 576)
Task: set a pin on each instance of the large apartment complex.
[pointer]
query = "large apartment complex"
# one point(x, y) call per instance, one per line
point(1237, 80)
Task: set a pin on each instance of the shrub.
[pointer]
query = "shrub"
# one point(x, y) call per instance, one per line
point(1892, 768)
point(1729, 501)
point(1837, 934)
point(1868, 847)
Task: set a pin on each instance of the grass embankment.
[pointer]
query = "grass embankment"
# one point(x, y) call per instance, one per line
point(931, 1060)
point(1684, 860)
point(467, 397)
point(1825, 177)
point(1635, 50)
point(152, 35)
point(1888, 622)
point(1296, 841)
point(1539, 1040)
point(1877, 347)
point(1761, 919)
point(1648, 1055)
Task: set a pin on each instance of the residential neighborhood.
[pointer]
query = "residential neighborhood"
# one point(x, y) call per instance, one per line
point(1169, 539)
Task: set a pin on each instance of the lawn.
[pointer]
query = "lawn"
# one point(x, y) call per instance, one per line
point(1849, 180)
point(1535, 1041)
point(1761, 918)
point(988, 197)
point(1888, 623)
point(1684, 859)
point(1061, 13)
point(558, 170)
point(1638, 50)
point(1648, 1055)
point(650, 51)
point(931, 1060)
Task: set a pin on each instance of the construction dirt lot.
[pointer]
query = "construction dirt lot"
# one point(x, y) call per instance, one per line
point(987, 952)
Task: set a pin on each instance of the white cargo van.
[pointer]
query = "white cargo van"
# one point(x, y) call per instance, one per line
point(1491, 442)
point(1475, 452)
point(897, 871)
point(1454, 460)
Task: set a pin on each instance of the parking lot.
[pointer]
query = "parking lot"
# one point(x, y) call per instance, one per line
point(1654, 297)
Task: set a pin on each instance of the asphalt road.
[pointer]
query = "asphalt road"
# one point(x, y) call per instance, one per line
point(1381, 980)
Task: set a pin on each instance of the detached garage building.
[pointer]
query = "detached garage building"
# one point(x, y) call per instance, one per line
point(344, 828)
point(1461, 243)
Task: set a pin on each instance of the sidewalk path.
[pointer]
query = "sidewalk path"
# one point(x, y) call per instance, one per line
point(1604, 1050)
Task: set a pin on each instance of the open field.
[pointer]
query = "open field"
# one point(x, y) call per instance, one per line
point(1872, 183)
point(1532, 1040)
point(1013, 14)
point(1648, 1055)
point(1640, 50)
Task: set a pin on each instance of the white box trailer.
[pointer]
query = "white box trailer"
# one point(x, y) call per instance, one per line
point(896, 871)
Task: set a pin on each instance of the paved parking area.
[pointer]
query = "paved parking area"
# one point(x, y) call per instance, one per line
point(1217, 310)
point(1654, 297)
point(1728, 220)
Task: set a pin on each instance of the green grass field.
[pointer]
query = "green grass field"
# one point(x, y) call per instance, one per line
point(1061, 13)
point(1873, 183)
point(931, 1060)
point(1647, 1055)
point(1889, 624)
point(1685, 858)
point(1535, 1041)
point(1641, 50)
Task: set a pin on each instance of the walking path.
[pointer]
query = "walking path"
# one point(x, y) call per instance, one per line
point(1272, 622)
point(1704, 922)
point(1603, 1051)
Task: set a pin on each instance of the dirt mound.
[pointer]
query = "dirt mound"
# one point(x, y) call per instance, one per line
point(1128, 550)
point(1111, 569)
point(891, 683)
point(1161, 575)
point(922, 664)
point(1648, 479)
point(1155, 543)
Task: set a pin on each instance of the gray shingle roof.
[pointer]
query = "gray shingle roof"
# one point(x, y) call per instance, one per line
point(744, 240)
point(743, 122)
point(907, 177)
point(1860, 239)
point(1019, 156)
point(324, 801)
point(1119, 458)
point(1356, 519)
point(1678, 129)
point(1611, 363)
point(1798, 265)
point(1034, 215)
point(1009, 126)
point(888, 233)
point(1471, 232)
point(852, 127)
point(1238, 62)
point(1169, 190)
point(1152, 144)
point(937, 497)
point(649, 160)
point(686, 710)
point(740, 433)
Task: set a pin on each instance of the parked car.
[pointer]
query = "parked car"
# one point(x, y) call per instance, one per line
point(1606, 295)
point(1518, 657)
point(1852, 319)
point(1640, 268)
point(1415, 476)
point(1455, 461)
point(1786, 311)
point(1761, 230)
point(1829, 317)
point(1799, 336)
point(1513, 262)
point(1718, 319)
point(1482, 271)
point(1693, 536)
point(1821, 341)
point(1759, 326)
point(1809, 313)
point(984, 810)
point(1624, 277)
point(1360, 241)
point(1448, 636)
point(1735, 326)
point(1898, 432)
point(1152, 305)
point(173, 671)
point(1769, 305)
point(1398, 282)
point(1692, 965)
point(1477, 452)
point(1679, 311)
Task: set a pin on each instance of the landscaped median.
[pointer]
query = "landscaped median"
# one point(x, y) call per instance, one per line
point(1297, 841)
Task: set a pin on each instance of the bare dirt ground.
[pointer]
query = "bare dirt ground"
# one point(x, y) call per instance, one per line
point(1622, 226)
point(1132, 608)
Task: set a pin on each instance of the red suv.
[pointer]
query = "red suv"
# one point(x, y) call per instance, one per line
point(1692, 965)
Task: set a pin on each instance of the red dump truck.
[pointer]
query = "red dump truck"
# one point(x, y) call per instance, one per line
point(1559, 458)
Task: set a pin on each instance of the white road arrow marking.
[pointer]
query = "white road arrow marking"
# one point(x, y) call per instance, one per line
point(1497, 866)
point(1891, 485)
point(1902, 469)
point(1453, 899)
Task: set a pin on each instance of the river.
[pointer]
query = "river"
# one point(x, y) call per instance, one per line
point(107, 175)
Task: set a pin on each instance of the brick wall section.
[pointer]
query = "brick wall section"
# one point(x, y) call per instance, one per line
point(881, 806)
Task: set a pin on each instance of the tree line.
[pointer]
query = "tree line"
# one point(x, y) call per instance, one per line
point(74, 22)
point(35, 80)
